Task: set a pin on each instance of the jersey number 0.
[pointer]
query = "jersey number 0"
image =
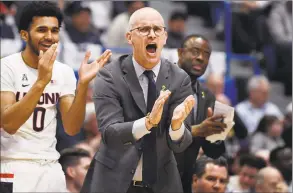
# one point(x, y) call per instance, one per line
point(39, 119)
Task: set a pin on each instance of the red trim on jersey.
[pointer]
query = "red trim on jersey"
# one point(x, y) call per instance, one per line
point(6, 175)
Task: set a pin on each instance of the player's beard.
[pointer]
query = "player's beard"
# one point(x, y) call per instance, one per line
point(31, 45)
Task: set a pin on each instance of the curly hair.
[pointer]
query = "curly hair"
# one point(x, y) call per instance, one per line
point(38, 8)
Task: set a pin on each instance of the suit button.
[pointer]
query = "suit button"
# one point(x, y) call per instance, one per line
point(139, 148)
point(132, 171)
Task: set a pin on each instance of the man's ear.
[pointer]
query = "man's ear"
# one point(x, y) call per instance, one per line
point(70, 172)
point(166, 37)
point(194, 178)
point(24, 35)
point(128, 37)
point(194, 183)
point(180, 53)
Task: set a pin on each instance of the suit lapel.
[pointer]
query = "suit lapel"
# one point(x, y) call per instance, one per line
point(133, 83)
point(163, 77)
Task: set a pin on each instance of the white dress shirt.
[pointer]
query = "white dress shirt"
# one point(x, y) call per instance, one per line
point(139, 129)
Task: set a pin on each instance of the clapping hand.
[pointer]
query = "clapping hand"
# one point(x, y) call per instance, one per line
point(88, 71)
point(155, 116)
point(181, 112)
point(45, 65)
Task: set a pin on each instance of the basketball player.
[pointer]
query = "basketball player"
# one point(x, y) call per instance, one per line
point(32, 83)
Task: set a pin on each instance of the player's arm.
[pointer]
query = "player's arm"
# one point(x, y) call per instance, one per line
point(14, 114)
point(73, 108)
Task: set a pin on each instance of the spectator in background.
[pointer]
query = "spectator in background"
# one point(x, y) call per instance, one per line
point(257, 105)
point(176, 29)
point(9, 34)
point(101, 14)
point(75, 163)
point(78, 35)
point(244, 15)
point(264, 154)
point(269, 180)
point(202, 9)
point(280, 23)
point(210, 175)
point(280, 27)
point(79, 27)
point(234, 162)
point(268, 134)
point(194, 54)
point(245, 180)
point(86, 146)
point(115, 36)
point(281, 158)
point(215, 82)
point(287, 134)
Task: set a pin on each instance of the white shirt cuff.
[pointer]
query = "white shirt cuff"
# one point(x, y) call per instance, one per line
point(139, 129)
point(178, 134)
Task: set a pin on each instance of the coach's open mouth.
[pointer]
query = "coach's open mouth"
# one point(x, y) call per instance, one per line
point(151, 48)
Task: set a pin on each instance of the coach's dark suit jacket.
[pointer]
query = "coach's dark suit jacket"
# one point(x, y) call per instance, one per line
point(119, 101)
point(187, 159)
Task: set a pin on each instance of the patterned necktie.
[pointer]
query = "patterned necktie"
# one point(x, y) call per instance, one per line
point(149, 172)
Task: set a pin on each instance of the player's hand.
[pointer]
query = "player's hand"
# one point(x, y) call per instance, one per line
point(88, 71)
point(209, 126)
point(45, 65)
point(156, 114)
point(181, 112)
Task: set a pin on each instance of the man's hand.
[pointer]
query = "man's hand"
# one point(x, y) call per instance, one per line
point(209, 126)
point(88, 71)
point(45, 65)
point(155, 116)
point(181, 112)
point(281, 187)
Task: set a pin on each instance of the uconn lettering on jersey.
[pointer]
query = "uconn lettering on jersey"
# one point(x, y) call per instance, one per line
point(46, 98)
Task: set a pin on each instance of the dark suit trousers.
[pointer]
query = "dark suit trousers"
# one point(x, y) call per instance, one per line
point(135, 189)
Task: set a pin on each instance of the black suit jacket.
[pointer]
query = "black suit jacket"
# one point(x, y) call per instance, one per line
point(187, 159)
point(119, 101)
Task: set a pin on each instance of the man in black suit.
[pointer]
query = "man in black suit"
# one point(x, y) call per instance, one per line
point(194, 57)
point(141, 125)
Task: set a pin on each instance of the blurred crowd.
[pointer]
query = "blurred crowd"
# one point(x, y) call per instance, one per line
point(258, 148)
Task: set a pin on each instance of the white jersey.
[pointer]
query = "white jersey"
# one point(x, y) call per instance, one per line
point(35, 139)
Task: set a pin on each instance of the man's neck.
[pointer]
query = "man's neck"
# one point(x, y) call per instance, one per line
point(71, 187)
point(255, 105)
point(30, 58)
point(193, 79)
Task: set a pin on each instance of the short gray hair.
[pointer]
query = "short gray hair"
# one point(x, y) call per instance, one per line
point(255, 81)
